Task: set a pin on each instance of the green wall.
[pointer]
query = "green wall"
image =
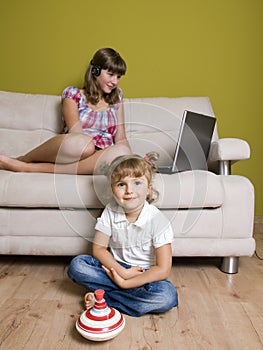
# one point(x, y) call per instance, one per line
point(172, 48)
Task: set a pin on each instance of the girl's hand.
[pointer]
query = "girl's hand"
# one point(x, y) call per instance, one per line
point(115, 277)
point(121, 282)
point(133, 272)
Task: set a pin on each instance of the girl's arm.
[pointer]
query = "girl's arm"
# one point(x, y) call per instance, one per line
point(156, 273)
point(100, 252)
point(71, 116)
point(121, 134)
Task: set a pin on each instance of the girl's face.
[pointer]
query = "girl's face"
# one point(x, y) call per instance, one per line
point(108, 81)
point(131, 193)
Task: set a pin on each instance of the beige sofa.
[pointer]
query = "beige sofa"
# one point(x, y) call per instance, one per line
point(54, 214)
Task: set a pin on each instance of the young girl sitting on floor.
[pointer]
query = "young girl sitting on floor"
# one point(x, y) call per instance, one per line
point(134, 272)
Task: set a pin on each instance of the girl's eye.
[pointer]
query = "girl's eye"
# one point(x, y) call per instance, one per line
point(137, 183)
point(112, 74)
point(120, 184)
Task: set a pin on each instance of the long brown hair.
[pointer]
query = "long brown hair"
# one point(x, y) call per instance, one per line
point(105, 58)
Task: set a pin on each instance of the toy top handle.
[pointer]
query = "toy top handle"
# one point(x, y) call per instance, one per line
point(99, 294)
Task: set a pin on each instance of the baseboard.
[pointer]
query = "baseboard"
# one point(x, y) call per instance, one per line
point(258, 219)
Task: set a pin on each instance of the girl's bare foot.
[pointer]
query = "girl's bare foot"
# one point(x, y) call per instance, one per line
point(89, 300)
point(11, 164)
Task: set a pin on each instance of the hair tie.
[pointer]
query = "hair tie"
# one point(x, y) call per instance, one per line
point(152, 158)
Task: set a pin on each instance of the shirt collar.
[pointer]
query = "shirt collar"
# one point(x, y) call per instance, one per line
point(140, 222)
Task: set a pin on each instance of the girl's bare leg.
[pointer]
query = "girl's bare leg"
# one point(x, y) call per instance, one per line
point(93, 164)
point(64, 148)
point(96, 163)
point(16, 165)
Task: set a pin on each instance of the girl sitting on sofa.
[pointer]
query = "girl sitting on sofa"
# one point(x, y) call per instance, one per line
point(94, 132)
point(134, 272)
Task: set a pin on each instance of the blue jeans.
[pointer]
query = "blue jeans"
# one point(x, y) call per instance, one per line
point(155, 297)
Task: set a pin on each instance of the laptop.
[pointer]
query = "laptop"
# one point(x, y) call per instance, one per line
point(192, 148)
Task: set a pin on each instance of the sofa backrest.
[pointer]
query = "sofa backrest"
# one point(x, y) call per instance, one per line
point(26, 120)
point(152, 124)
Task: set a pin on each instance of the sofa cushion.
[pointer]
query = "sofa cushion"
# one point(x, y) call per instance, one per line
point(26, 120)
point(191, 189)
point(30, 111)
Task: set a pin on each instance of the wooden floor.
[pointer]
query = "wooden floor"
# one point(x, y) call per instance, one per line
point(39, 306)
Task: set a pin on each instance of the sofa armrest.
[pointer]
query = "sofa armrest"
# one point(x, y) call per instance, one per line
point(227, 151)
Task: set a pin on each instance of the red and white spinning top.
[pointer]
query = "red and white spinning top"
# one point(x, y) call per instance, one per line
point(100, 322)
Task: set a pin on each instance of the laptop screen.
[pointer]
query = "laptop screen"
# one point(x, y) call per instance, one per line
point(194, 142)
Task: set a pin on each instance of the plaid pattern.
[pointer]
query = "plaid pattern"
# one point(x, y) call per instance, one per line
point(100, 125)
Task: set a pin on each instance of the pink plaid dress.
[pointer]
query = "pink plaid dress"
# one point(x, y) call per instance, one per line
point(100, 125)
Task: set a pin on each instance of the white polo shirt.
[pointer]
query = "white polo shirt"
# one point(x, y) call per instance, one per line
point(135, 243)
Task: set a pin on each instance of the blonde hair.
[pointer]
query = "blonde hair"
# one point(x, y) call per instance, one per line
point(134, 166)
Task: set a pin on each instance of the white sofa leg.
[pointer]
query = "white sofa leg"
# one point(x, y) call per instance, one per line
point(229, 264)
